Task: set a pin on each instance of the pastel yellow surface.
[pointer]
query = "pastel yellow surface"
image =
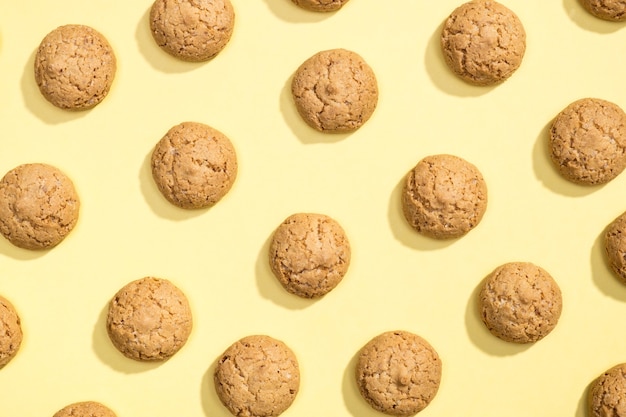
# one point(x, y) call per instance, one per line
point(397, 279)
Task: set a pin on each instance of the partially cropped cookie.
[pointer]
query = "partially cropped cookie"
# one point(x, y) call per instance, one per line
point(257, 376)
point(335, 91)
point(149, 319)
point(483, 42)
point(309, 254)
point(194, 165)
point(321, 5)
point(75, 67)
point(39, 206)
point(607, 393)
point(398, 373)
point(615, 246)
point(444, 196)
point(612, 10)
point(10, 332)
point(85, 409)
point(520, 302)
point(588, 141)
point(192, 30)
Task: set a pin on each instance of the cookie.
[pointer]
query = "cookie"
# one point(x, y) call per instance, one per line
point(398, 373)
point(194, 165)
point(39, 206)
point(10, 332)
point(612, 10)
point(309, 254)
point(75, 67)
point(320, 5)
point(615, 246)
point(85, 409)
point(192, 31)
point(520, 302)
point(257, 376)
point(335, 91)
point(149, 319)
point(483, 42)
point(444, 196)
point(588, 141)
point(607, 393)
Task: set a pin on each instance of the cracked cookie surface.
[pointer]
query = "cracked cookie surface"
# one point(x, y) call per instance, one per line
point(192, 30)
point(607, 393)
point(149, 319)
point(615, 246)
point(10, 332)
point(520, 302)
point(612, 10)
point(444, 196)
point(75, 67)
point(483, 42)
point(309, 254)
point(85, 409)
point(398, 373)
point(39, 206)
point(588, 141)
point(257, 376)
point(335, 91)
point(194, 165)
point(320, 5)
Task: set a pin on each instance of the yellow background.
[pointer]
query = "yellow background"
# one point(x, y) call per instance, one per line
point(397, 279)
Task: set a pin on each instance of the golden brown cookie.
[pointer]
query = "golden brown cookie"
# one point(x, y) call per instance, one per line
point(520, 302)
point(320, 5)
point(85, 409)
point(10, 332)
point(483, 42)
point(615, 246)
point(194, 165)
point(335, 91)
point(38, 206)
point(444, 196)
point(149, 319)
point(309, 254)
point(398, 373)
point(257, 376)
point(607, 393)
point(75, 67)
point(192, 30)
point(612, 10)
point(588, 141)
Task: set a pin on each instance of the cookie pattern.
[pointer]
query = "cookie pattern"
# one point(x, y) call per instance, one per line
point(10, 332)
point(607, 393)
point(611, 10)
point(320, 5)
point(615, 246)
point(85, 409)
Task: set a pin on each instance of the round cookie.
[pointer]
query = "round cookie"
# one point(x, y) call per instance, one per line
point(612, 10)
point(10, 332)
point(335, 91)
point(75, 67)
point(257, 376)
point(309, 254)
point(444, 196)
point(483, 42)
point(149, 319)
point(320, 5)
point(607, 393)
point(38, 206)
point(520, 302)
point(194, 165)
point(615, 246)
point(588, 141)
point(192, 31)
point(85, 409)
point(398, 373)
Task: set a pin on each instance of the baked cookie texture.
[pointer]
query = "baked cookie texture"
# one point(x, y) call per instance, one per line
point(444, 196)
point(607, 393)
point(520, 302)
point(257, 376)
point(192, 30)
point(320, 5)
point(615, 246)
point(483, 42)
point(398, 373)
point(85, 409)
point(39, 206)
point(335, 91)
point(10, 332)
point(588, 141)
point(309, 254)
point(149, 319)
point(612, 10)
point(75, 67)
point(194, 165)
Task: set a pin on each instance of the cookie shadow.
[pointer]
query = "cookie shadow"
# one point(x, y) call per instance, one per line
point(19, 254)
point(355, 403)
point(289, 12)
point(583, 403)
point(585, 20)
point(211, 403)
point(601, 274)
